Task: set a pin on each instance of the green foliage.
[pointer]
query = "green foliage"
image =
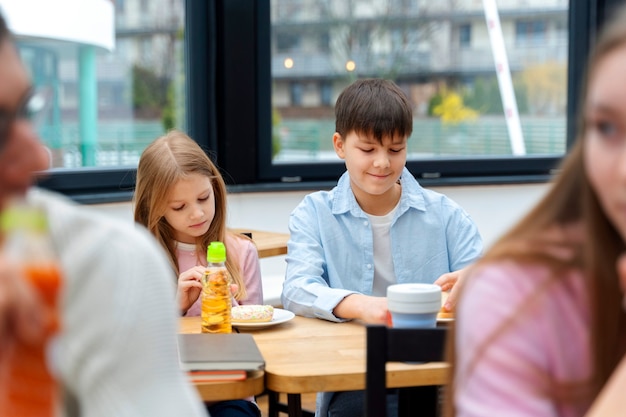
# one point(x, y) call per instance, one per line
point(434, 102)
point(168, 116)
point(275, 133)
point(149, 91)
point(484, 95)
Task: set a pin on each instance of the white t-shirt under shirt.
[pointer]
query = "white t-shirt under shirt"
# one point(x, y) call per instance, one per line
point(383, 264)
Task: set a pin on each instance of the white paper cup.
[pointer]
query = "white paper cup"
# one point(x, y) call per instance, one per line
point(414, 305)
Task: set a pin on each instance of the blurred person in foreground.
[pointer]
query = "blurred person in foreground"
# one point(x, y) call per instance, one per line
point(540, 323)
point(116, 354)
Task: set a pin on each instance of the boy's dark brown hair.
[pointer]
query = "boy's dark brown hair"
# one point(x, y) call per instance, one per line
point(373, 107)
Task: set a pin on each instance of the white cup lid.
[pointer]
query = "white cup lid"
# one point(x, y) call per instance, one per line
point(414, 298)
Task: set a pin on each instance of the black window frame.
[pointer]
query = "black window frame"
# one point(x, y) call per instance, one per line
point(229, 111)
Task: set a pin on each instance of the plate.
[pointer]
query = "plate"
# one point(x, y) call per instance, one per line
point(444, 319)
point(280, 316)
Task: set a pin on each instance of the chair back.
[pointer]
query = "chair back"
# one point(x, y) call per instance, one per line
point(386, 344)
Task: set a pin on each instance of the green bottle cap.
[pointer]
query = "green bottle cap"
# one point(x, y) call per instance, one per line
point(216, 252)
point(22, 217)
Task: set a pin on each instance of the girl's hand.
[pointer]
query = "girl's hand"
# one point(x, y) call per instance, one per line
point(233, 289)
point(189, 287)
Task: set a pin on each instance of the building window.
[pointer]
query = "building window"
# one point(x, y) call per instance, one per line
point(119, 6)
point(530, 32)
point(326, 93)
point(465, 35)
point(287, 42)
point(296, 94)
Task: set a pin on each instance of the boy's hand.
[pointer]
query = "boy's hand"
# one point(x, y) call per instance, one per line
point(369, 309)
point(448, 282)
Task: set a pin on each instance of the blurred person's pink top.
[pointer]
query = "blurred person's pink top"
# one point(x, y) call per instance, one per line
point(521, 331)
point(248, 264)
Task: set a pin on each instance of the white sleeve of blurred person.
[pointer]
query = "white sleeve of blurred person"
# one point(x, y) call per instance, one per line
point(117, 353)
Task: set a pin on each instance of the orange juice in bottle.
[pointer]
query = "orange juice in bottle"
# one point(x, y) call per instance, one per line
point(216, 303)
point(27, 387)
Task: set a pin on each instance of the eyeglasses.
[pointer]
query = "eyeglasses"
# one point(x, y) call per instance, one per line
point(30, 105)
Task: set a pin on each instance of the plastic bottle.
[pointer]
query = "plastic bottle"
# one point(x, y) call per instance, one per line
point(28, 389)
point(216, 303)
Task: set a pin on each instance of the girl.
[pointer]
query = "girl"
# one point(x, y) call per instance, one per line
point(180, 197)
point(540, 323)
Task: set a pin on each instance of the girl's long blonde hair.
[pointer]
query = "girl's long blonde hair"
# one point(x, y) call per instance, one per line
point(163, 163)
point(572, 201)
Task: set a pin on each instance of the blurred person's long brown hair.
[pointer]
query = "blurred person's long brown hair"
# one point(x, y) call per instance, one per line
point(570, 202)
point(163, 163)
point(4, 29)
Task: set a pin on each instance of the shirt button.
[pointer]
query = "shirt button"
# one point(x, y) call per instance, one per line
point(369, 266)
point(365, 223)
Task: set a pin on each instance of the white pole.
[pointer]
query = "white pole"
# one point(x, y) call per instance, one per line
point(507, 93)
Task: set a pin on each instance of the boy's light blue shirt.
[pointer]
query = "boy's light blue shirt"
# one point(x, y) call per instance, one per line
point(330, 251)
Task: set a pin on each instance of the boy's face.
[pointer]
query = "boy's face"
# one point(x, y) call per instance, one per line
point(374, 168)
point(21, 153)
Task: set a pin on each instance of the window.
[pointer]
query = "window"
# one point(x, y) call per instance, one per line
point(465, 35)
point(530, 32)
point(296, 94)
point(326, 90)
point(240, 75)
point(119, 6)
point(104, 106)
point(287, 42)
point(454, 87)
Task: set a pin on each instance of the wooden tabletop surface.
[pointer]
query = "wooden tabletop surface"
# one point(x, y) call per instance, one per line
point(267, 243)
point(307, 355)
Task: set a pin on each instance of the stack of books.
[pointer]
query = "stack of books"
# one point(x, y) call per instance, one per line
point(209, 357)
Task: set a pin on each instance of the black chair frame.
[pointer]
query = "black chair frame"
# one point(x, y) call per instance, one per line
point(401, 345)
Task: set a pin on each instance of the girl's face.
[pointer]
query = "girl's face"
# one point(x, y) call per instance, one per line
point(605, 136)
point(191, 207)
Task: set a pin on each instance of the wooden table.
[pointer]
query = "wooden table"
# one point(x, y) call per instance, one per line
point(308, 355)
point(267, 243)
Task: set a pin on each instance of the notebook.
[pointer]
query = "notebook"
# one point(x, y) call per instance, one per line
point(217, 376)
point(219, 351)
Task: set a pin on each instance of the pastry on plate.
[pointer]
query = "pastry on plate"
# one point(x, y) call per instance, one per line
point(252, 313)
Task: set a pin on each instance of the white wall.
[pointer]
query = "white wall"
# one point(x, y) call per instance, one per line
point(494, 208)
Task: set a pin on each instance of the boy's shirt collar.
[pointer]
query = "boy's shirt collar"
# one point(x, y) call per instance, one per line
point(343, 199)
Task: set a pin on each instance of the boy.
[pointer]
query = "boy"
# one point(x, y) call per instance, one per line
point(377, 227)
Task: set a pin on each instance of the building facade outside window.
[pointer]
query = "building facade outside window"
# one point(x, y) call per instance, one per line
point(204, 72)
point(451, 80)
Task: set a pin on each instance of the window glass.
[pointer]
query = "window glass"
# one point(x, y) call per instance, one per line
point(103, 107)
point(478, 89)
